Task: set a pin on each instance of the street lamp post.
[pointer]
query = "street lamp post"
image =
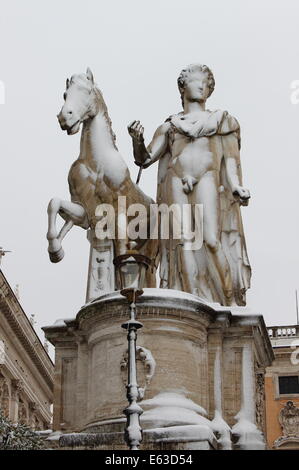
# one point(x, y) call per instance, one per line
point(131, 268)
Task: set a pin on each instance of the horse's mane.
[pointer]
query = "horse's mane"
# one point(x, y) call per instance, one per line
point(83, 81)
point(106, 114)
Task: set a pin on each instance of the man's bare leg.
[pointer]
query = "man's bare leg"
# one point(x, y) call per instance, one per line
point(186, 262)
point(206, 193)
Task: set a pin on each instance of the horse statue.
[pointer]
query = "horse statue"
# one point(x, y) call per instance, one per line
point(98, 176)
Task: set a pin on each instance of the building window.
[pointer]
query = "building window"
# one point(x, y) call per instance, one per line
point(288, 385)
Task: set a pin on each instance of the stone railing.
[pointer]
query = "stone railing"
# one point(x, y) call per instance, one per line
point(280, 332)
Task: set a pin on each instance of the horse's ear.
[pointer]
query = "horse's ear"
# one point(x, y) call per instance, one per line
point(67, 83)
point(89, 75)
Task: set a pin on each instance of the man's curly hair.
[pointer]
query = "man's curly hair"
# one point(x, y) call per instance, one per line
point(191, 70)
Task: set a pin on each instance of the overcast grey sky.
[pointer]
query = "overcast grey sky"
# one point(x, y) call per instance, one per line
point(136, 50)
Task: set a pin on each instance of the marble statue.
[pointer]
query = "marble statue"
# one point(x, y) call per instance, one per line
point(195, 359)
point(99, 175)
point(199, 163)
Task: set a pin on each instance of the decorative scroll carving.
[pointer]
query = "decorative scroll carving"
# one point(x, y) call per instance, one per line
point(36, 424)
point(260, 401)
point(4, 396)
point(16, 388)
point(2, 384)
point(22, 413)
point(145, 357)
point(33, 406)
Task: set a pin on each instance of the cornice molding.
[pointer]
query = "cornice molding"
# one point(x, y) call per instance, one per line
point(11, 310)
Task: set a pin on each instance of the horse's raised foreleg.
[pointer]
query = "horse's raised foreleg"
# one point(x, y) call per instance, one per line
point(73, 214)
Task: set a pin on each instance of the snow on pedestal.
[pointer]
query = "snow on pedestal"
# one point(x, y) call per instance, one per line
point(174, 417)
point(219, 426)
point(172, 409)
point(249, 436)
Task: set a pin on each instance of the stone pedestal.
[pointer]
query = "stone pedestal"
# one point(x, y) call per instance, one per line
point(200, 368)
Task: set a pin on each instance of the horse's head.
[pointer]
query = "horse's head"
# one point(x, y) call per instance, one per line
point(81, 102)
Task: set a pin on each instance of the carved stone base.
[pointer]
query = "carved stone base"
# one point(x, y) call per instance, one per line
point(195, 362)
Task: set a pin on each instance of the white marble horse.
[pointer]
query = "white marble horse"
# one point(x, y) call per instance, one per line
point(99, 175)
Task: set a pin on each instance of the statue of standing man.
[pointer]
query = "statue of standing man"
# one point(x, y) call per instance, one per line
point(199, 163)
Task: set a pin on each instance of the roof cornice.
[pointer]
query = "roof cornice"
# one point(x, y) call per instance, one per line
point(22, 328)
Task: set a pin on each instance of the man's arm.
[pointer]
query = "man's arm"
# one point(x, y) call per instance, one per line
point(145, 156)
point(231, 155)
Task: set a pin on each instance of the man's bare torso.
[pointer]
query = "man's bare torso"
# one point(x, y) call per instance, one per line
point(193, 156)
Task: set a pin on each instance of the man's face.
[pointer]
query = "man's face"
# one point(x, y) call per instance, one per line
point(197, 87)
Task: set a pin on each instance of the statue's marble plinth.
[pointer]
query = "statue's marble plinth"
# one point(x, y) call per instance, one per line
point(200, 372)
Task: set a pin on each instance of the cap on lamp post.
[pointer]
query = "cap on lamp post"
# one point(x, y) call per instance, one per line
point(131, 269)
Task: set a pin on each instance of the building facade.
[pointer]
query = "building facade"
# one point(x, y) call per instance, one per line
point(26, 370)
point(282, 389)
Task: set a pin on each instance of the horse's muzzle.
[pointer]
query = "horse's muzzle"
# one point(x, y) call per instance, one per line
point(62, 121)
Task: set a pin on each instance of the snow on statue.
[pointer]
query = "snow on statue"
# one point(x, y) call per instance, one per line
point(98, 176)
point(199, 163)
